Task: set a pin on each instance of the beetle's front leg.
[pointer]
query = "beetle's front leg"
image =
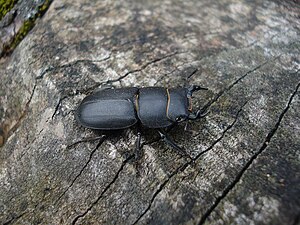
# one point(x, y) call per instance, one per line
point(171, 143)
point(197, 115)
point(188, 129)
point(194, 88)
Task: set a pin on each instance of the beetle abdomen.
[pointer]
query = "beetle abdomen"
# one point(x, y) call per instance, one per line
point(108, 109)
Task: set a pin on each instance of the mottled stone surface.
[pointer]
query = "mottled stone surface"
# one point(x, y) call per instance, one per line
point(246, 150)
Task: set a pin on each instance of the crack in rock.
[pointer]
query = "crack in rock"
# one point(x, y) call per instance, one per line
point(15, 218)
point(57, 106)
point(185, 165)
point(52, 68)
point(103, 192)
point(23, 114)
point(142, 67)
point(204, 108)
point(250, 162)
point(102, 139)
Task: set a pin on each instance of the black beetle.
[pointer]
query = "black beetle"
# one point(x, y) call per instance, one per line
point(152, 107)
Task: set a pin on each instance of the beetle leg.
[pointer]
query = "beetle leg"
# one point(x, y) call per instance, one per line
point(187, 129)
point(89, 139)
point(194, 88)
point(102, 88)
point(137, 154)
point(171, 143)
point(197, 115)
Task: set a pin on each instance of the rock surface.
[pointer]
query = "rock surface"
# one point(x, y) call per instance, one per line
point(246, 150)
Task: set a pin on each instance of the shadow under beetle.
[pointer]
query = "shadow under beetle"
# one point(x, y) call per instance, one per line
point(152, 107)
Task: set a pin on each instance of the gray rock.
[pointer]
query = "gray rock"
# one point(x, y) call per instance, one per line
point(246, 150)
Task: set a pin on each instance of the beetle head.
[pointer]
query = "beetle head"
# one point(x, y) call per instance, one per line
point(179, 106)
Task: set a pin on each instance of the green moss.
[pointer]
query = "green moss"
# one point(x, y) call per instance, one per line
point(26, 27)
point(6, 6)
point(43, 8)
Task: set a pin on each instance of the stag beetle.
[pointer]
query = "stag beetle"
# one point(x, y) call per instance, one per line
point(151, 107)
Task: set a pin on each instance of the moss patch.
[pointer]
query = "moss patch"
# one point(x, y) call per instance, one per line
point(26, 27)
point(6, 6)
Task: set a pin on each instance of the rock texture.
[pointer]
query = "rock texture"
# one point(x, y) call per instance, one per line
point(246, 150)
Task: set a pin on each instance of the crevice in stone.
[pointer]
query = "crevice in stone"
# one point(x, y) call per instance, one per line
point(27, 23)
point(250, 162)
point(204, 108)
point(76, 62)
point(14, 219)
point(57, 107)
point(23, 114)
point(143, 67)
point(82, 169)
point(103, 192)
point(223, 133)
point(182, 167)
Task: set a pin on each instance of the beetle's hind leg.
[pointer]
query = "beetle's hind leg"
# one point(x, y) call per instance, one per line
point(171, 143)
point(88, 139)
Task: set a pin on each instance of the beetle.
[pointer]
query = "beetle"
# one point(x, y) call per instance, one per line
point(152, 107)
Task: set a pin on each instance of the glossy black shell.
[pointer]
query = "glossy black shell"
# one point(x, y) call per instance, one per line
point(108, 109)
point(111, 109)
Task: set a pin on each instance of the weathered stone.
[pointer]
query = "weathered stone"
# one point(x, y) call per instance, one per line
point(246, 150)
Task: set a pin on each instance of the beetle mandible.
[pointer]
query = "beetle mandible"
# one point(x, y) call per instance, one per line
point(152, 107)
